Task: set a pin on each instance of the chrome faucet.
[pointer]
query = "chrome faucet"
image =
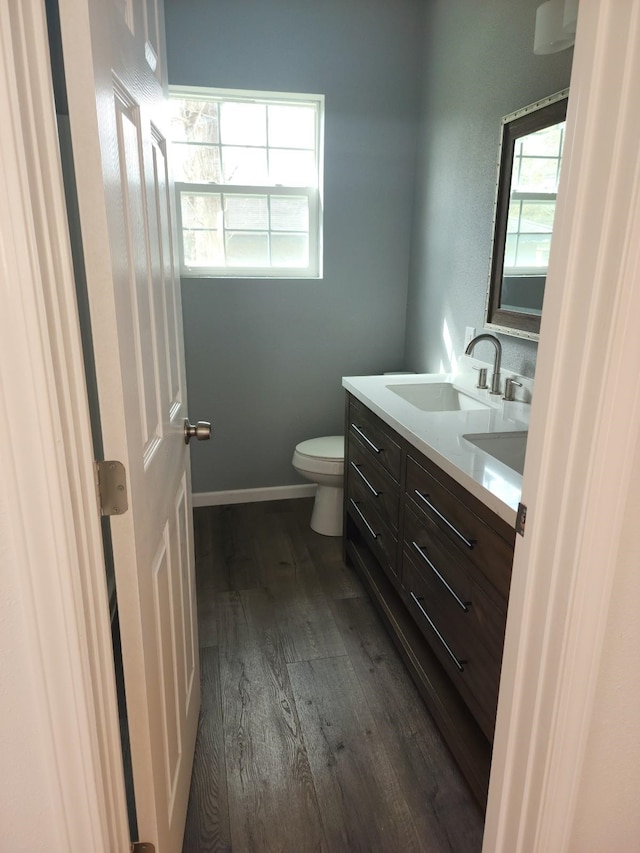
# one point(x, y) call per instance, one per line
point(495, 379)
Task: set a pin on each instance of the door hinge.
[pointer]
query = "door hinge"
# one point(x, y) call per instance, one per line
point(142, 847)
point(521, 519)
point(112, 487)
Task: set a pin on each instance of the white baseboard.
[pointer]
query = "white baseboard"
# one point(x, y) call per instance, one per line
point(241, 496)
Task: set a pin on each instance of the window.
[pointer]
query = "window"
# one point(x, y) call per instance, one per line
point(534, 186)
point(248, 167)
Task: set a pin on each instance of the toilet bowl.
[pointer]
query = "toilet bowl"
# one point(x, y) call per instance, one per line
point(321, 460)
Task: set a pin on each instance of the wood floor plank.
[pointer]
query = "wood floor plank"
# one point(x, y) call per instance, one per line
point(204, 539)
point(272, 799)
point(201, 532)
point(207, 626)
point(240, 532)
point(308, 628)
point(284, 559)
point(336, 579)
point(211, 571)
point(207, 829)
point(305, 624)
point(226, 546)
point(211, 532)
point(445, 812)
point(361, 803)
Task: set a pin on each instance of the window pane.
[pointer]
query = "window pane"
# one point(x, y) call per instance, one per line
point(200, 211)
point(289, 213)
point(193, 120)
point(243, 124)
point(289, 250)
point(203, 248)
point(533, 250)
point(538, 216)
point(245, 166)
point(544, 142)
point(198, 164)
point(513, 219)
point(247, 250)
point(292, 126)
point(510, 251)
point(292, 168)
point(537, 174)
point(246, 212)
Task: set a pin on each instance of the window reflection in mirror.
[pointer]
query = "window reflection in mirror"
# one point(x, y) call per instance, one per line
point(528, 175)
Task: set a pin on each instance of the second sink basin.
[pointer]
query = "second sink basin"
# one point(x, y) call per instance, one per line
point(436, 397)
point(506, 447)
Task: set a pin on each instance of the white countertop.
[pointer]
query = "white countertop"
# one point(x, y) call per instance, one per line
point(438, 435)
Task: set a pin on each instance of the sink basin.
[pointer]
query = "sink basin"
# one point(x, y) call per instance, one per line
point(436, 397)
point(506, 447)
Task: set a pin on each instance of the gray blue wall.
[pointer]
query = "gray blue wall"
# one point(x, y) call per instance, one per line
point(265, 358)
point(407, 240)
point(479, 66)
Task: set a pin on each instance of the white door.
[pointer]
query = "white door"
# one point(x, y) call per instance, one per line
point(116, 84)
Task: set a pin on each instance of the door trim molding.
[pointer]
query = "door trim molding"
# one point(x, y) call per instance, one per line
point(48, 467)
point(577, 481)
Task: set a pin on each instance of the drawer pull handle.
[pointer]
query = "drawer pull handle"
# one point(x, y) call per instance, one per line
point(463, 604)
point(424, 498)
point(368, 440)
point(356, 468)
point(458, 663)
point(359, 511)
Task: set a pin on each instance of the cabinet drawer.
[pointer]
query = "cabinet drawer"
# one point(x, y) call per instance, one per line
point(372, 484)
point(474, 612)
point(474, 670)
point(375, 533)
point(375, 435)
point(473, 537)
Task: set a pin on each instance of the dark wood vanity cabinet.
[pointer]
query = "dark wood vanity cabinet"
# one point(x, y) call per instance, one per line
point(373, 460)
point(437, 563)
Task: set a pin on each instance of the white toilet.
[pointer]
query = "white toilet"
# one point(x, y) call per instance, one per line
point(321, 460)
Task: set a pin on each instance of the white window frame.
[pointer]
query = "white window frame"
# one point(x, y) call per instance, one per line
point(313, 194)
point(521, 269)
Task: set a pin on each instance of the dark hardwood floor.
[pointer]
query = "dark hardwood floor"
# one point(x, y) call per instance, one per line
point(312, 735)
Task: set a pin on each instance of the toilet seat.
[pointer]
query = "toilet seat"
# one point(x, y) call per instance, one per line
point(321, 455)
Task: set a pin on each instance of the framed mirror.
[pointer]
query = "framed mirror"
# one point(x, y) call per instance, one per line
point(528, 172)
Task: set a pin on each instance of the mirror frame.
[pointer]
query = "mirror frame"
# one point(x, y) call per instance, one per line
point(534, 117)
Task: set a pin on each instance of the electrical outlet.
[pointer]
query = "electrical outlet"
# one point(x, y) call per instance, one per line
point(469, 334)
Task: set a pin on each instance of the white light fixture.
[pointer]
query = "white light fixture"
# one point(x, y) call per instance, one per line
point(550, 36)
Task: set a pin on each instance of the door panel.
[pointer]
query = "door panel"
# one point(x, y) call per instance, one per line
point(188, 635)
point(117, 121)
point(165, 638)
point(143, 325)
point(161, 218)
point(152, 31)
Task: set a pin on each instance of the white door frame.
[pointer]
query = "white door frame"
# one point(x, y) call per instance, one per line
point(50, 506)
point(560, 589)
point(578, 483)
